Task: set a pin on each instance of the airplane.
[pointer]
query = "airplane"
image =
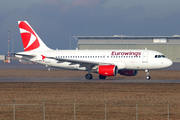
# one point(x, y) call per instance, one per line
point(104, 62)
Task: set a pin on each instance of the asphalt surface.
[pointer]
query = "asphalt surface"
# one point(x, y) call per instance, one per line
point(83, 80)
point(17, 65)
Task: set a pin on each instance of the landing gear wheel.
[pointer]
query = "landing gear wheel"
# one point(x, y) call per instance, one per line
point(88, 76)
point(148, 77)
point(102, 77)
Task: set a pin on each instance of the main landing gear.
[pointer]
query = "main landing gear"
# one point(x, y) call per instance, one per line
point(89, 76)
point(147, 75)
point(102, 77)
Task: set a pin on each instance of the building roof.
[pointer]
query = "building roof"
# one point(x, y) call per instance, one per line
point(127, 37)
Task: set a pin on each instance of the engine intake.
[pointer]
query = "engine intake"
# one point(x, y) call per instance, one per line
point(128, 72)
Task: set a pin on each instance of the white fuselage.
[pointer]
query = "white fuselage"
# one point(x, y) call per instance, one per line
point(123, 59)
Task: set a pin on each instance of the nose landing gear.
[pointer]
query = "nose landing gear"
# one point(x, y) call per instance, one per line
point(147, 75)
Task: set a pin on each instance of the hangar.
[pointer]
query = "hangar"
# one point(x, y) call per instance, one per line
point(168, 45)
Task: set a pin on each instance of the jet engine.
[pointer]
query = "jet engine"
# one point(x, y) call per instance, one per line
point(107, 70)
point(128, 72)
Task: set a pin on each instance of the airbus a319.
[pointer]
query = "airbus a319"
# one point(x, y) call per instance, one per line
point(103, 62)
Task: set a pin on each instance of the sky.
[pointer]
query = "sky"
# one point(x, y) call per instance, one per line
point(55, 21)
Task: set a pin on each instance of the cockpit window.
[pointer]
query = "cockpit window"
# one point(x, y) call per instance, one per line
point(159, 56)
point(163, 56)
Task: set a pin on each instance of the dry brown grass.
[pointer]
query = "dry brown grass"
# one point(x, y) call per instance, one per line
point(90, 97)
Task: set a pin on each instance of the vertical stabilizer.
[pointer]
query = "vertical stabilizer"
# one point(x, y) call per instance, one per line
point(31, 41)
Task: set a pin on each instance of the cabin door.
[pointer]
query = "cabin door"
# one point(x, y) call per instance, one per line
point(145, 57)
point(47, 60)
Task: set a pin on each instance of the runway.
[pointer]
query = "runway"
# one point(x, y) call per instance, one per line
point(17, 65)
point(83, 80)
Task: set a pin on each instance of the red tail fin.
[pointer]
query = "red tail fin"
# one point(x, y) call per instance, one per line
point(30, 39)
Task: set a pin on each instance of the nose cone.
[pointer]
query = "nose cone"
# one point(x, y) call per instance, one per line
point(168, 63)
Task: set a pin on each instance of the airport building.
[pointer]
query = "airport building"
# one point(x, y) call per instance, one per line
point(168, 45)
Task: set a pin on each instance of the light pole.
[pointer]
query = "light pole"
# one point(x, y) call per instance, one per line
point(8, 47)
point(12, 47)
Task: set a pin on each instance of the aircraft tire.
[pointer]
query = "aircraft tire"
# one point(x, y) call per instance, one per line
point(102, 77)
point(148, 77)
point(88, 76)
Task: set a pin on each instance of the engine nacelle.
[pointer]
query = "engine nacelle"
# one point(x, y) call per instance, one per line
point(107, 70)
point(128, 72)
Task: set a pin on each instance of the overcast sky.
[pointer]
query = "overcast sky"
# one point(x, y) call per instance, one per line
point(55, 20)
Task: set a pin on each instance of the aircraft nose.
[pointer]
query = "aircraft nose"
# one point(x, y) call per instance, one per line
point(168, 63)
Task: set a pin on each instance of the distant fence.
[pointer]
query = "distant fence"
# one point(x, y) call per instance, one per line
point(97, 98)
point(90, 107)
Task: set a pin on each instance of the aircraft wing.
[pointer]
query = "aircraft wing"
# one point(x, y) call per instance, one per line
point(83, 63)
